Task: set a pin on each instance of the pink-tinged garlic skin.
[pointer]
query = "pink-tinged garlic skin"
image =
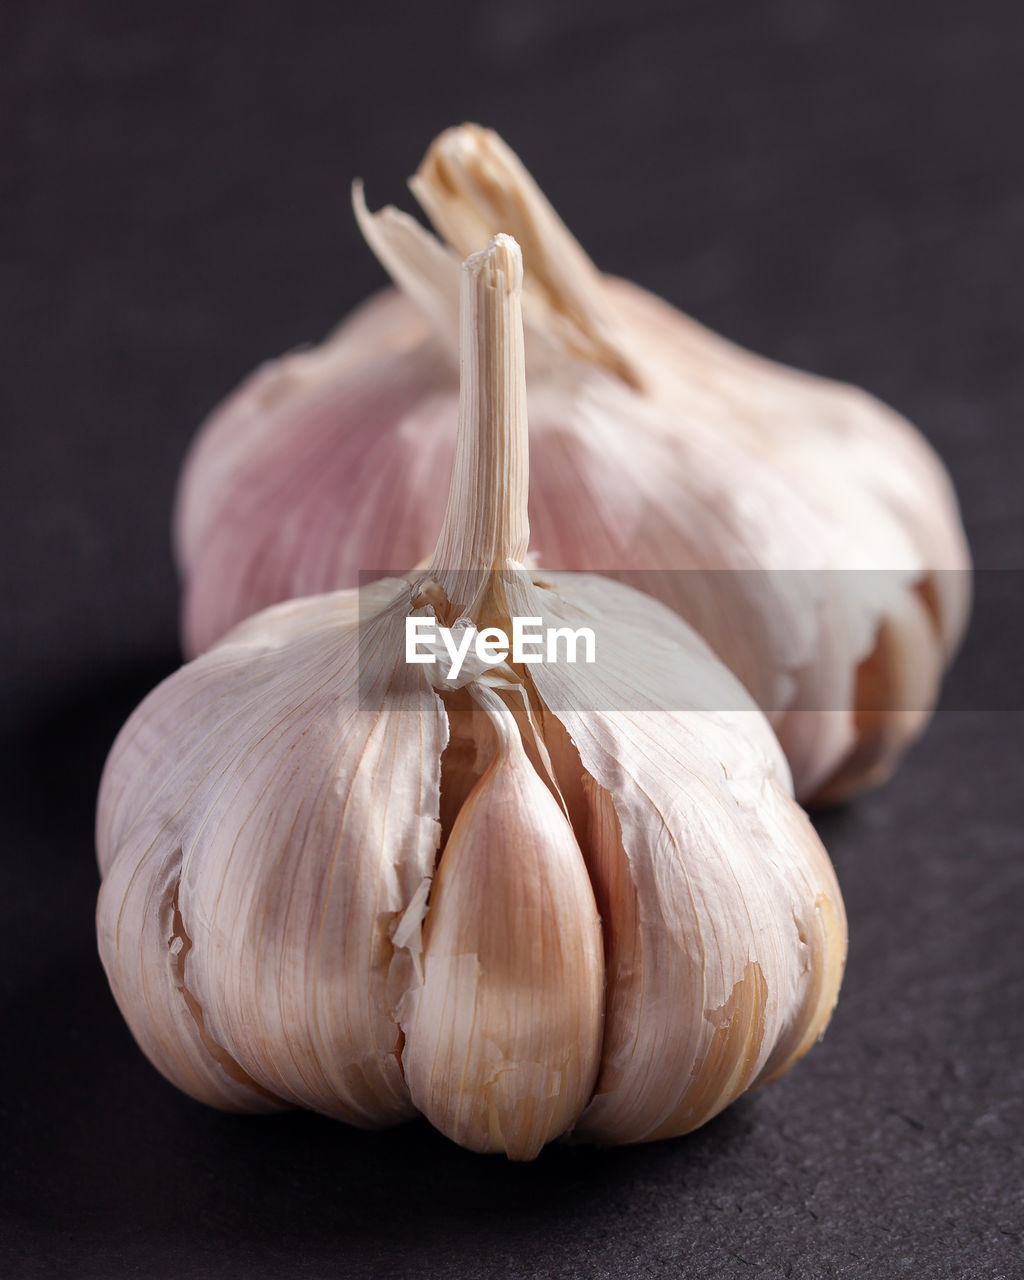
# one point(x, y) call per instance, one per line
point(655, 445)
point(304, 477)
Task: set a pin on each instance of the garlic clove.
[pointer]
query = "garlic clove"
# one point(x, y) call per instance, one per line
point(503, 1037)
point(897, 685)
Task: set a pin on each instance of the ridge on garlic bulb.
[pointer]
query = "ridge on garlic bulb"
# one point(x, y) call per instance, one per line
point(535, 899)
point(806, 530)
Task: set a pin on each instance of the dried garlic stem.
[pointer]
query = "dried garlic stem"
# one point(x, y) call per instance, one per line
point(470, 183)
point(420, 265)
point(485, 525)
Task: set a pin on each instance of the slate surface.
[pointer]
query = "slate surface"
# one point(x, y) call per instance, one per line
point(839, 186)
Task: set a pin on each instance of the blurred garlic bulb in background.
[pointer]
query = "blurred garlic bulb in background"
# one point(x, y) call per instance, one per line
point(533, 899)
point(657, 448)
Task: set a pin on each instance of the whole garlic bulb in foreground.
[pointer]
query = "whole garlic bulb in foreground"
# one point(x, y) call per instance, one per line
point(532, 899)
point(661, 453)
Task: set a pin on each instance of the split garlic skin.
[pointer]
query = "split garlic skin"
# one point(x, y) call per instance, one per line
point(826, 561)
point(531, 900)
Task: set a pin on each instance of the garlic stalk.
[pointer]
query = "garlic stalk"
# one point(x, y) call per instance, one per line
point(532, 899)
point(657, 447)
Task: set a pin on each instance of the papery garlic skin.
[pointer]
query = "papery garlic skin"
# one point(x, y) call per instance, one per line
point(542, 899)
point(229, 794)
point(656, 445)
point(274, 504)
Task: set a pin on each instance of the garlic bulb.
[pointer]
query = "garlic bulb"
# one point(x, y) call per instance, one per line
point(661, 454)
point(523, 899)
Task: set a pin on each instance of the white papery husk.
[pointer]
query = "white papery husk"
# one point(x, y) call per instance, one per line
point(529, 901)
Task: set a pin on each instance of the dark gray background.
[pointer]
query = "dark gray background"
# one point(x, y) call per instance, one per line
point(838, 185)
